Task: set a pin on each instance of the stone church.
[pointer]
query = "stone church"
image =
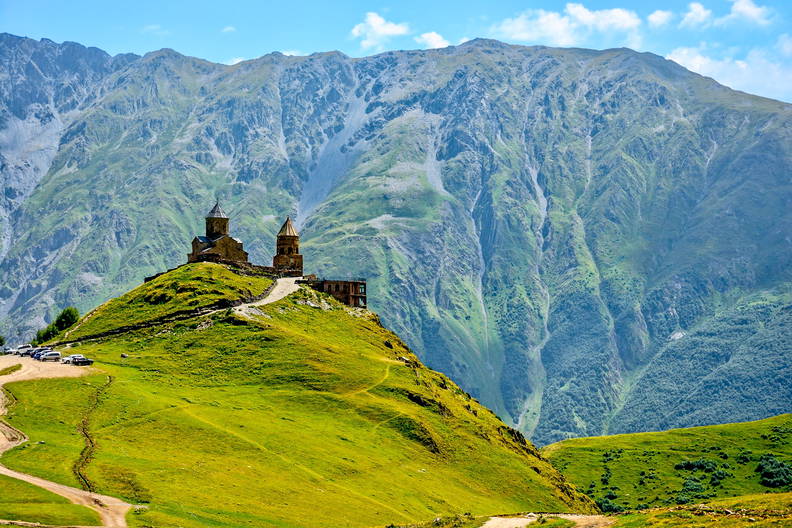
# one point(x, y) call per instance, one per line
point(219, 246)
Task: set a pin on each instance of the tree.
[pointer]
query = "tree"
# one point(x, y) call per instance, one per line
point(2, 340)
point(67, 318)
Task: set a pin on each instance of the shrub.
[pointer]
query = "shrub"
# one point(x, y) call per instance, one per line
point(719, 475)
point(774, 473)
point(608, 506)
point(703, 464)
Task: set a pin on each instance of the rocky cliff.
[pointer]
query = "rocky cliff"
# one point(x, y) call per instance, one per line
point(587, 241)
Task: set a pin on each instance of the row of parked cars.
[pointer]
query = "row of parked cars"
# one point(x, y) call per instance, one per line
point(47, 354)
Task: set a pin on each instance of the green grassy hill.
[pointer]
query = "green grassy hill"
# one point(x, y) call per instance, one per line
point(679, 466)
point(762, 510)
point(186, 288)
point(20, 501)
point(299, 413)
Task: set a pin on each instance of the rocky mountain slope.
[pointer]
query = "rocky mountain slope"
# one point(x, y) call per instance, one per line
point(587, 241)
point(300, 412)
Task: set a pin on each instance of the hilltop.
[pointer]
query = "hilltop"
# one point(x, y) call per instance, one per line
point(301, 413)
point(680, 466)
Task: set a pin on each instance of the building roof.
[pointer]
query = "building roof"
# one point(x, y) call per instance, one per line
point(216, 212)
point(287, 229)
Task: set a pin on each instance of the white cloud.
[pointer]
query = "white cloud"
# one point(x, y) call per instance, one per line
point(293, 53)
point(604, 19)
point(746, 10)
point(784, 45)
point(463, 40)
point(432, 40)
point(376, 31)
point(756, 73)
point(228, 29)
point(538, 25)
point(155, 29)
point(696, 16)
point(659, 18)
point(569, 27)
point(235, 60)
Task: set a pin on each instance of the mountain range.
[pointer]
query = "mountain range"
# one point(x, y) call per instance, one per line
point(589, 242)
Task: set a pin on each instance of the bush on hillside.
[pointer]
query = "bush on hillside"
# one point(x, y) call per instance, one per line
point(774, 473)
point(702, 464)
point(719, 475)
point(608, 506)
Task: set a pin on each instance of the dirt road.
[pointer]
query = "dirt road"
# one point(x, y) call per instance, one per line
point(581, 521)
point(112, 511)
point(283, 287)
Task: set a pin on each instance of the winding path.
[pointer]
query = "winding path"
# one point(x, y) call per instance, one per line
point(112, 511)
point(283, 287)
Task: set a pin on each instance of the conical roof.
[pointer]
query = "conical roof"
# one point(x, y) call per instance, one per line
point(287, 229)
point(216, 212)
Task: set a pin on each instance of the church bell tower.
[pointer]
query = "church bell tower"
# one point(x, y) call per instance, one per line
point(216, 223)
point(287, 257)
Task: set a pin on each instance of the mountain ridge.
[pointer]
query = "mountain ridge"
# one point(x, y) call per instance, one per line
point(536, 222)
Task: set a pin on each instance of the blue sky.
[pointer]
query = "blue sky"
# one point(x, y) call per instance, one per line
point(745, 44)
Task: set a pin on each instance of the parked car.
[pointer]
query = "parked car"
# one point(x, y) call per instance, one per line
point(38, 352)
point(71, 358)
point(82, 361)
point(50, 356)
point(25, 352)
point(22, 348)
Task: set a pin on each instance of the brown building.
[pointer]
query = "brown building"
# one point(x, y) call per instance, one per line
point(350, 292)
point(287, 259)
point(217, 245)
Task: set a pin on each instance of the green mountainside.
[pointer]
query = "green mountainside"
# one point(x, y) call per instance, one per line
point(680, 466)
point(590, 242)
point(298, 413)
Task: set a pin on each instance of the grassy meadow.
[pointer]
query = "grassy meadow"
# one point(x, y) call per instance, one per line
point(680, 466)
point(188, 287)
point(20, 501)
point(763, 510)
point(304, 414)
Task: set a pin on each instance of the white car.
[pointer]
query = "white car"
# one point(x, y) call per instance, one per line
point(50, 356)
point(71, 358)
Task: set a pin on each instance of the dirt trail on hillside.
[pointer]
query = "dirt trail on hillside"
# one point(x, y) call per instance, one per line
point(282, 288)
point(581, 521)
point(112, 511)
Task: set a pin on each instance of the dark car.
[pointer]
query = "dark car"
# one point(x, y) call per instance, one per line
point(40, 352)
point(82, 361)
